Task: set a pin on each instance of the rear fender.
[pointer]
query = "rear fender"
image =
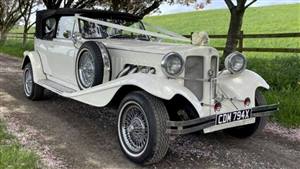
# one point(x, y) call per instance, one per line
point(36, 64)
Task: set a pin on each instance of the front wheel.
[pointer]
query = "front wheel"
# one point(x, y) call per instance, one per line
point(251, 129)
point(142, 128)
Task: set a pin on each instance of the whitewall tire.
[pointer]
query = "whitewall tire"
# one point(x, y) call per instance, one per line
point(142, 128)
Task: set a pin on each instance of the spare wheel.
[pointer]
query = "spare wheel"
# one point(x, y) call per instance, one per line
point(93, 65)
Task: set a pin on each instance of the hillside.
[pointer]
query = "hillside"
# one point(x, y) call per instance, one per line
point(281, 18)
point(272, 19)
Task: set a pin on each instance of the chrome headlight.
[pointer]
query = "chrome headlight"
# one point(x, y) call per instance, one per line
point(172, 64)
point(235, 62)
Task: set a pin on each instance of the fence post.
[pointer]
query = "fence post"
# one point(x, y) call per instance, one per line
point(241, 42)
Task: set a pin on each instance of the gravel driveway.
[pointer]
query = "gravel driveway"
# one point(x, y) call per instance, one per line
point(68, 134)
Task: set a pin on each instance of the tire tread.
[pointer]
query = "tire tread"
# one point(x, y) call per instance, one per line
point(163, 140)
point(160, 115)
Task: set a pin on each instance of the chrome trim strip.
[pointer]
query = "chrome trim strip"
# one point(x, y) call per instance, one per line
point(137, 51)
point(106, 62)
point(201, 80)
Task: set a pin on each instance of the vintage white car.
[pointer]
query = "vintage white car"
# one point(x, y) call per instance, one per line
point(161, 89)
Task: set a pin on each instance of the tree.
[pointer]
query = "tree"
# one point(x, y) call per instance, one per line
point(137, 7)
point(29, 9)
point(236, 21)
point(140, 8)
point(55, 4)
point(10, 12)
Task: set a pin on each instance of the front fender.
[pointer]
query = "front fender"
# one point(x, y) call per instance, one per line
point(242, 85)
point(36, 64)
point(158, 86)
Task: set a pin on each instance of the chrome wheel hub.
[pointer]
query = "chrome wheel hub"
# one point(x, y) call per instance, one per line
point(134, 128)
point(86, 70)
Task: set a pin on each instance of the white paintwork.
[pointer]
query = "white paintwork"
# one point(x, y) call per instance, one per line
point(161, 87)
point(241, 85)
point(36, 64)
point(58, 59)
point(54, 67)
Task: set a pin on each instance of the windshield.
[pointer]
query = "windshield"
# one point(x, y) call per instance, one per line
point(90, 30)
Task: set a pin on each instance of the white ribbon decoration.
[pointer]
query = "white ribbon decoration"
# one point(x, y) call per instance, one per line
point(133, 30)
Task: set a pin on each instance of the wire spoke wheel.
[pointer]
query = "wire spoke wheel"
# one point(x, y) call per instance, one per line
point(28, 82)
point(31, 90)
point(86, 69)
point(134, 127)
point(142, 126)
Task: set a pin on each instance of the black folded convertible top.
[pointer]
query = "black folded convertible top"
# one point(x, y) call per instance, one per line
point(41, 16)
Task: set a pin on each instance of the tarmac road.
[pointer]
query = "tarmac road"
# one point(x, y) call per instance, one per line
point(69, 134)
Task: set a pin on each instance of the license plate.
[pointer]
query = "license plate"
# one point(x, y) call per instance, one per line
point(233, 116)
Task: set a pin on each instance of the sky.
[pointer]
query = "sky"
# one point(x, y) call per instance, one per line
point(217, 4)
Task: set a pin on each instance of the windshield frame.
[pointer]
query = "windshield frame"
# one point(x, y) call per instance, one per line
point(141, 25)
point(151, 34)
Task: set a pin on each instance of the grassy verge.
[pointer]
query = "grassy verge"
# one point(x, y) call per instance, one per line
point(15, 48)
point(12, 155)
point(282, 73)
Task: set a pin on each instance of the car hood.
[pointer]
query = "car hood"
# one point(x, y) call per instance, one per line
point(150, 47)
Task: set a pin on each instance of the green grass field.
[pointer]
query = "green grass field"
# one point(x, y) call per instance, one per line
point(273, 19)
point(281, 70)
point(282, 18)
point(15, 48)
point(12, 155)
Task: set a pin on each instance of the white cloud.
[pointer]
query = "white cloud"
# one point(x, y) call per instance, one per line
point(217, 4)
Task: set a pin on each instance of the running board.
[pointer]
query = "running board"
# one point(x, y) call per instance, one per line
point(55, 87)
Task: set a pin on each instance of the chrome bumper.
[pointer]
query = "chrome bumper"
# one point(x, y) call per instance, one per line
point(190, 126)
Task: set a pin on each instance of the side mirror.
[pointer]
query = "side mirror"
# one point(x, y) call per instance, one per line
point(67, 34)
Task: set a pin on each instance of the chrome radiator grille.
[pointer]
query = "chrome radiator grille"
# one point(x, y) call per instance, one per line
point(194, 69)
point(215, 68)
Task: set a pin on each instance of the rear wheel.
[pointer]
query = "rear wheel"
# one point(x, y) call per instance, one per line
point(31, 90)
point(251, 129)
point(142, 128)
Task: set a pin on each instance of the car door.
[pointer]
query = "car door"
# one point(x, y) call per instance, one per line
point(63, 52)
point(42, 45)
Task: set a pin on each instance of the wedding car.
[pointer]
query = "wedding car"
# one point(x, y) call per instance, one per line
point(161, 83)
